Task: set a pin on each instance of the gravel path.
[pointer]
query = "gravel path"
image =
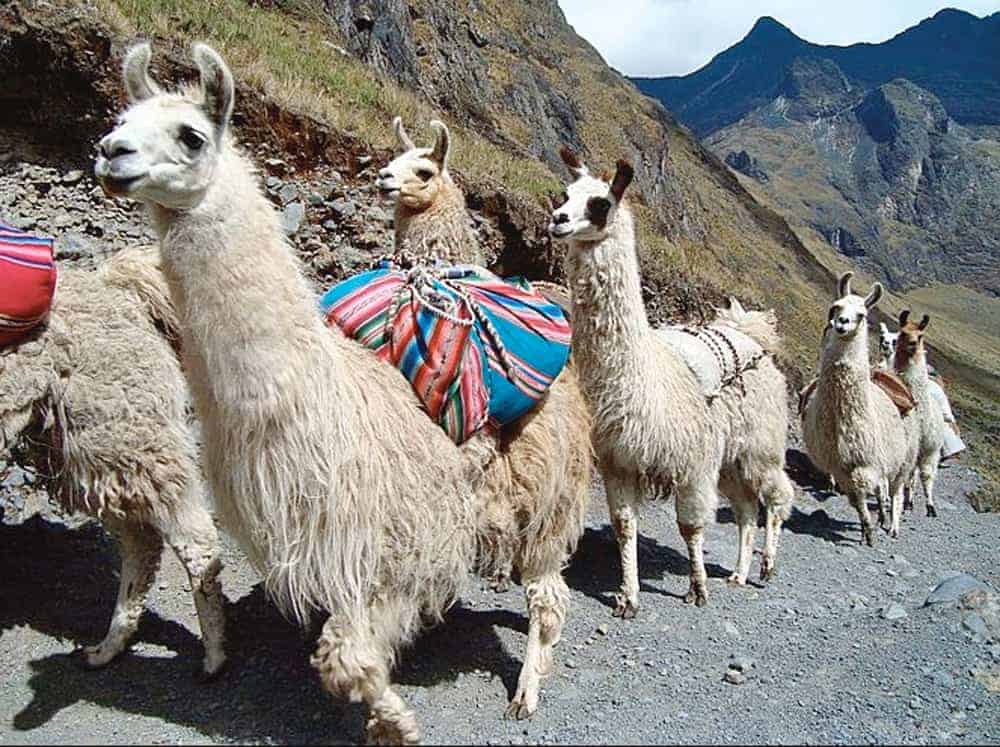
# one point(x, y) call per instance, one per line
point(839, 648)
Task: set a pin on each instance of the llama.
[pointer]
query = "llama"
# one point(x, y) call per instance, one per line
point(654, 426)
point(910, 362)
point(886, 347)
point(429, 208)
point(346, 497)
point(851, 427)
point(953, 443)
point(96, 400)
point(540, 466)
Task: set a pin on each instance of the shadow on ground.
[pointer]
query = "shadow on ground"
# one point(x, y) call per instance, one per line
point(63, 583)
point(595, 569)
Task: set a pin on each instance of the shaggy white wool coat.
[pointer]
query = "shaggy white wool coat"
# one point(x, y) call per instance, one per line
point(853, 431)
point(99, 400)
point(535, 474)
point(931, 421)
point(654, 429)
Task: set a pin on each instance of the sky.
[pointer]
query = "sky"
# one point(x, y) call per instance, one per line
point(675, 37)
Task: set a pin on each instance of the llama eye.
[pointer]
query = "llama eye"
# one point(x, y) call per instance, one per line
point(192, 139)
point(564, 197)
point(425, 174)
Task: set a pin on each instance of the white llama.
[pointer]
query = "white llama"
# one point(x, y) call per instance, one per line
point(910, 362)
point(97, 401)
point(953, 443)
point(852, 429)
point(537, 470)
point(345, 495)
point(655, 424)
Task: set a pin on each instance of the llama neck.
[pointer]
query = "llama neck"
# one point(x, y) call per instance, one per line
point(244, 304)
point(912, 369)
point(609, 318)
point(844, 372)
point(443, 228)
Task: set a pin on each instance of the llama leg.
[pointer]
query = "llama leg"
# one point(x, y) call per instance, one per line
point(141, 547)
point(860, 503)
point(548, 598)
point(908, 493)
point(928, 475)
point(696, 506)
point(897, 488)
point(695, 538)
point(885, 509)
point(352, 665)
point(192, 536)
point(745, 509)
point(778, 495)
point(623, 507)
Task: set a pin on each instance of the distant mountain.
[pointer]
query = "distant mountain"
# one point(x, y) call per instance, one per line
point(954, 55)
point(883, 175)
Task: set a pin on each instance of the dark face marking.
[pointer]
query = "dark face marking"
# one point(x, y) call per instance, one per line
point(597, 211)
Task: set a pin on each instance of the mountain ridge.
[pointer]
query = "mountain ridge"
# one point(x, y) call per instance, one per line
point(951, 54)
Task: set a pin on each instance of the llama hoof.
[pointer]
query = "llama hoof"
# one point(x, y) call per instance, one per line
point(907, 505)
point(95, 657)
point(522, 707)
point(625, 609)
point(932, 512)
point(894, 534)
point(768, 572)
point(869, 536)
point(735, 580)
point(211, 668)
point(379, 731)
point(697, 598)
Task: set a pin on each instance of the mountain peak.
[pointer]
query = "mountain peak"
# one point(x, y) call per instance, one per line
point(768, 27)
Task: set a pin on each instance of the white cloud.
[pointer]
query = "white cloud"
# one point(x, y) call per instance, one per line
point(674, 37)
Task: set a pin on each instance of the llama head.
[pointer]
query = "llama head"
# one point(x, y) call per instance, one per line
point(417, 176)
point(886, 340)
point(910, 340)
point(165, 146)
point(589, 204)
point(849, 314)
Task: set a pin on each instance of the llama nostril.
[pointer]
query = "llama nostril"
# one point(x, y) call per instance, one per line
point(114, 148)
point(560, 218)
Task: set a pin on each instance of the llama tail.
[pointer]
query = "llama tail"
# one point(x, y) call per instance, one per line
point(141, 271)
point(760, 326)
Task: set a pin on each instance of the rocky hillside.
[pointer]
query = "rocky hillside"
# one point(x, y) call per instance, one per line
point(952, 55)
point(884, 176)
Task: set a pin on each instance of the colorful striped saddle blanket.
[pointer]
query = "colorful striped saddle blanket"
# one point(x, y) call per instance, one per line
point(478, 350)
point(27, 282)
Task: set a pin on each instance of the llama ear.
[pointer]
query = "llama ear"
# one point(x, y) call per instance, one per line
point(903, 316)
point(735, 305)
point(844, 284)
point(217, 85)
point(404, 140)
point(572, 160)
point(442, 143)
point(924, 322)
point(874, 295)
point(623, 177)
point(135, 72)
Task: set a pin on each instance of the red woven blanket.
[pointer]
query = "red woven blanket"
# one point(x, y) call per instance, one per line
point(27, 282)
